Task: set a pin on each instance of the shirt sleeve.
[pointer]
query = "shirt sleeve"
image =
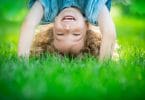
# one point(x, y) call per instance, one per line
point(50, 9)
point(108, 4)
point(93, 8)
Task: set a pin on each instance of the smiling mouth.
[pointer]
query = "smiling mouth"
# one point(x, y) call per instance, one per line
point(68, 18)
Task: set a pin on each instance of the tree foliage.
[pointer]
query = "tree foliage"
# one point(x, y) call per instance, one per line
point(133, 7)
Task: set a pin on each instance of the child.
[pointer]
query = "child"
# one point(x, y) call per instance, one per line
point(70, 26)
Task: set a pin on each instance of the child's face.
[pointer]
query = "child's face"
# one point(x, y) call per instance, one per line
point(69, 31)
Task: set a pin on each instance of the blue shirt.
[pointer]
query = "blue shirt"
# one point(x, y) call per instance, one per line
point(89, 8)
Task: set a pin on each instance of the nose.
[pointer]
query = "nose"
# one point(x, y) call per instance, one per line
point(67, 27)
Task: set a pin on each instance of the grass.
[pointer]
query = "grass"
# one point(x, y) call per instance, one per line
point(53, 77)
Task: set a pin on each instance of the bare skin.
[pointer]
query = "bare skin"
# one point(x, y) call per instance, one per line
point(107, 29)
point(69, 31)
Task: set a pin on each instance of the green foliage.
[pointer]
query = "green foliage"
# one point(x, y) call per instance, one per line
point(10, 10)
point(134, 7)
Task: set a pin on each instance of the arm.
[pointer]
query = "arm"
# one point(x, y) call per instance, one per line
point(27, 30)
point(108, 34)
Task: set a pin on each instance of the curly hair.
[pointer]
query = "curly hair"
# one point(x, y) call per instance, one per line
point(43, 42)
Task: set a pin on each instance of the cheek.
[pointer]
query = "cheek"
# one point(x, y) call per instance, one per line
point(57, 23)
point(56, 26)
point(81, 25)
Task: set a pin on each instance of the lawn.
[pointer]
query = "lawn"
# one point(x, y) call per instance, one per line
point(52, 76)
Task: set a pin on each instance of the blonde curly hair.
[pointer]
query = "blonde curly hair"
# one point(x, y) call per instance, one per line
point(43, 42)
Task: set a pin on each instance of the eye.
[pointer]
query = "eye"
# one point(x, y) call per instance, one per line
point(60, 34)
point(76, 34)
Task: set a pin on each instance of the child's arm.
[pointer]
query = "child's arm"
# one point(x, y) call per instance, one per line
point(27, 30)
point(108, 34)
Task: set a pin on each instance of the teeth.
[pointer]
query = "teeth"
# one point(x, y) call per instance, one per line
point(69, 18)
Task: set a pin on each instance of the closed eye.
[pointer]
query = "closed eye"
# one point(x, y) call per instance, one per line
point(75, 34)
point(60, 34)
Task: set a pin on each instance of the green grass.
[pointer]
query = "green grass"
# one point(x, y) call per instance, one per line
point(52, 76)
